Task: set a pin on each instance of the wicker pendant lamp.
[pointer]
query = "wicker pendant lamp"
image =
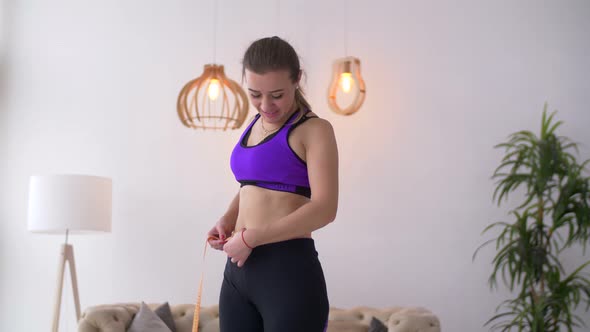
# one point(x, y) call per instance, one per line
point(212, 100)
point(347, 90)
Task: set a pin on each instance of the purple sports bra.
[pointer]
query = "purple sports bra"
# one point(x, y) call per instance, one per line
point(272, 163)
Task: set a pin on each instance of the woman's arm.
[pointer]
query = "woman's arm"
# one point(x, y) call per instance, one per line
point(322, 165)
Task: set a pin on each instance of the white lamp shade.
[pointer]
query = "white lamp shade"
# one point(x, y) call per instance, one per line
point(77, 203)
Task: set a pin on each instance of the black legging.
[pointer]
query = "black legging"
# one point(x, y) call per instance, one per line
point(280, 288)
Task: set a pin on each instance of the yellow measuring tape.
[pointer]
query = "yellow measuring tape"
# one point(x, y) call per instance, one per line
point(200, 292)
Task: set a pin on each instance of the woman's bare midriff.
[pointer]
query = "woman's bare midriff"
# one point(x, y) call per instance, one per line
point(259, 207)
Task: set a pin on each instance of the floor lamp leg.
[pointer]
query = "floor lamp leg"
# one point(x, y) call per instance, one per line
point(67, 255)
point(74, 281)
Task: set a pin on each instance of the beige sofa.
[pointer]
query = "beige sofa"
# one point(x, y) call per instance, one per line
point(118, 317)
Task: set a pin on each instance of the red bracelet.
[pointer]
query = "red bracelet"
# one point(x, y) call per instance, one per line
point(243, 231)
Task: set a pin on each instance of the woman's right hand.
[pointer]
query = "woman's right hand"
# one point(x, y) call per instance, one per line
point(217, 236)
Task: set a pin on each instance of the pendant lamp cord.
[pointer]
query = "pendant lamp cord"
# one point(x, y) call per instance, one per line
point(215, 31)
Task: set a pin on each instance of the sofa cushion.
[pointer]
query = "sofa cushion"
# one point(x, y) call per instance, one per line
point(377, 326)
point(165, 314)
point(147, 321)
point(346, 326)
point(415, 319)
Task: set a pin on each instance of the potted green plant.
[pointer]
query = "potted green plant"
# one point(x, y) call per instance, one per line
point(553, 215)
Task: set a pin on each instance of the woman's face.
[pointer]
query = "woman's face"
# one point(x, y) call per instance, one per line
point(273, 94)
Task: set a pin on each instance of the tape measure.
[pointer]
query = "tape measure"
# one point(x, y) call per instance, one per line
point(200, 291)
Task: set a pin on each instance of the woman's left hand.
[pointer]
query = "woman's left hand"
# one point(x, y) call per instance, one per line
point(237, 249)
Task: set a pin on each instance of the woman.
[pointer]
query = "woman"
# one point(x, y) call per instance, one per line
point(287, 164)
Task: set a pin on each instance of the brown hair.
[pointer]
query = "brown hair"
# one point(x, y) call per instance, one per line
point(273, 53)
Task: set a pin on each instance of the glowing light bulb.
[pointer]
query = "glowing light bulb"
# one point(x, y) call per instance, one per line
point(346, 82)
point(213, 89)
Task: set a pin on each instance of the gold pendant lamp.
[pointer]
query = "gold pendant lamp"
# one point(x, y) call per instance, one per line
point(212, 100)
point(347, 90)
point(347, 80)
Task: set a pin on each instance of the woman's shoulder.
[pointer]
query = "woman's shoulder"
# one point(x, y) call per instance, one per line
point(317, 122)
point(316, 127)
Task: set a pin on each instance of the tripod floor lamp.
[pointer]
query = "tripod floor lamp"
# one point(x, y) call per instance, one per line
point(64, 204)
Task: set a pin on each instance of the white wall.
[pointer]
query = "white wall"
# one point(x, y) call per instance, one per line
point(3, 55)
point(93, 87)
